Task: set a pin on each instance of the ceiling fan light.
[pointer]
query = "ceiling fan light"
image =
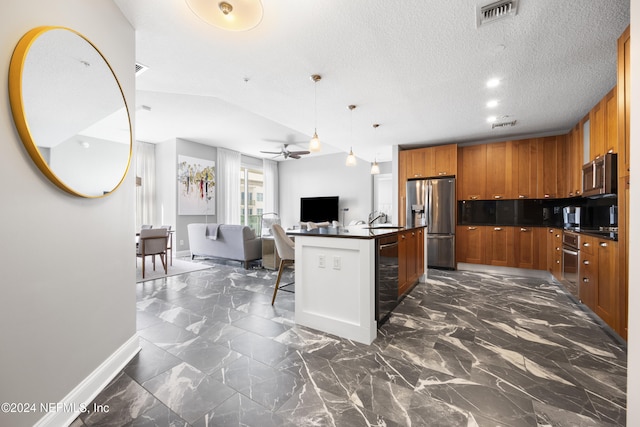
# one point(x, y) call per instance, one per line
point(351, 159)
point(232, 15)
point(314, 144)
point(375, 168)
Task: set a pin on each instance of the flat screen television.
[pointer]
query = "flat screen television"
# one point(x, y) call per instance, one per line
point(319, 209)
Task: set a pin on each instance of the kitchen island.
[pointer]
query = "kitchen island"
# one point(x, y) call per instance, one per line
point(335, 277)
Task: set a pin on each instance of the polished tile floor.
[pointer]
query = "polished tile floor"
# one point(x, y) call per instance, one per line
point(464, 349)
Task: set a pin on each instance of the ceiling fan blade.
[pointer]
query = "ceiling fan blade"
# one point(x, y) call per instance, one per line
point(271, 152)
point(294, 156)
point(300, 153)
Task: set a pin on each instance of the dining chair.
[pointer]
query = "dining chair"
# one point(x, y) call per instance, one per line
point(153, 242)
point(169, 243)
point(286, 251)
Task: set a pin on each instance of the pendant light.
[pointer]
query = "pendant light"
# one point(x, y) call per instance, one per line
point(351, 159)
point(314, 144)
point(375, 168)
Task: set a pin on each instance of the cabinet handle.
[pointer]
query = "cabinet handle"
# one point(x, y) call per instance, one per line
point(524, 229)
point(586, 244)
point(557, 261)
point(413, 233)
point(557, 249)
point(403, 236)
point(497, 229)
point(474, 197)
point(551, 231)
point(570, 193)
point(586, 262)
point(557, 235)
point(546, 196)
point(577, 192)
point(497, 197)
point(521, 196)
point(473, 228)
point(442, 173)
point(585, 279)
point(604, 245)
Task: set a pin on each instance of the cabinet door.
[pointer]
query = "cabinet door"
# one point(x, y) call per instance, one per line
point(547, 168)
point(500, 246)
point(575, 161)
point(606, 303)
point(445, 160)
point(402, 263)
point(525, 169)
point(588, 277)
point(470, 244)
point(554, 252)
point(540, 260)
point(420, 252)
point(624, 101)
point(562, 176)
point(472, 172)
point(417, 163)
point(498, 178)
point(525, 251)
point(412, 256)
point(610, 106)
point(596, 131)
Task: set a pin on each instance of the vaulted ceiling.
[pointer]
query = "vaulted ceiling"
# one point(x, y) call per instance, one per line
point(419, 68)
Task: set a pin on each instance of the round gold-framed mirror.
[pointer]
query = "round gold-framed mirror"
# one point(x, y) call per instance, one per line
point(70, 111)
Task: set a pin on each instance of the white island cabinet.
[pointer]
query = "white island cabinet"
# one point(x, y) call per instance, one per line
point(335, 276)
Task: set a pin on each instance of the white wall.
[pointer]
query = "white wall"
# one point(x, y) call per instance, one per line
point(633, 360)
point(317, 176)
point(67, 264)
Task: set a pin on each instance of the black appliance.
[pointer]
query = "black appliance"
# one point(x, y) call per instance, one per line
point(600, 176)
point(386, 276)
point(319, 209)
point(570, 262)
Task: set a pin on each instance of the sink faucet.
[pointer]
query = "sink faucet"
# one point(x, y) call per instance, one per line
point(380, 215)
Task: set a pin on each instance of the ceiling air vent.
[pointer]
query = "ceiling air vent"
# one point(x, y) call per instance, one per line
point(140, 68)
point(504, 124)
point(496, 11)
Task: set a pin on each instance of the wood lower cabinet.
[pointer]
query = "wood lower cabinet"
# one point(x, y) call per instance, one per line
point(554, 252)
point(410, 258)
point(524, 242)
point(470, 243)
point(500, 246)
point(599, 285)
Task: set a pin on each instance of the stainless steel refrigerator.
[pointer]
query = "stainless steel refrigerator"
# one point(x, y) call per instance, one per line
point(432, 202)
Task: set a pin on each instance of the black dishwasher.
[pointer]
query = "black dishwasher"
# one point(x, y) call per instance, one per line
point(386, 276)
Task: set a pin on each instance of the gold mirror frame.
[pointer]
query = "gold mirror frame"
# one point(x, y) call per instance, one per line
point(16, 98)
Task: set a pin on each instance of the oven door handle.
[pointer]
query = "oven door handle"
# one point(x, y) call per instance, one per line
point(569, 251)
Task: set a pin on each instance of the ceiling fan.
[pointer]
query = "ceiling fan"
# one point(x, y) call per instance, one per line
point(284, 151)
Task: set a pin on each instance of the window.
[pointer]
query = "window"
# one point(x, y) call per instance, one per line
point(251, 184)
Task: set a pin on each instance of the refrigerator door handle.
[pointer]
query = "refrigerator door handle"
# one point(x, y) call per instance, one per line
point(429, 207)
point(439, 236)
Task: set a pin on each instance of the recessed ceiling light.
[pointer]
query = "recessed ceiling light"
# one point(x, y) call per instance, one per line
point(492, 104)
point(491, 119)
point(493, 82)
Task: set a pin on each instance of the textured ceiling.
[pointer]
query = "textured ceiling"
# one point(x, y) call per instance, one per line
point(417, 67)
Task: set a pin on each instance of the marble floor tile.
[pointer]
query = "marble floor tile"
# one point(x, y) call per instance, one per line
point(465, 348)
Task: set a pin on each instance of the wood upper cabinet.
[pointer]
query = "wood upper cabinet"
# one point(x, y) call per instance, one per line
point(525, 169)
point(610, 106)
point(413, 163)
point(499, 170)
point(548, 155)
point(443, 160)
point(472, 172)
point(624, 101)
point(574, 160)
point(596, 131)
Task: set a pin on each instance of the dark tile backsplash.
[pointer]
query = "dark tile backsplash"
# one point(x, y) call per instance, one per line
point(534, 212)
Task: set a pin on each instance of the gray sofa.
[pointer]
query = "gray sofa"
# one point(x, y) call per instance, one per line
point(234, 242)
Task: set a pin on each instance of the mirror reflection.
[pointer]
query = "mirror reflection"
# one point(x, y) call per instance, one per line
point(77, 126)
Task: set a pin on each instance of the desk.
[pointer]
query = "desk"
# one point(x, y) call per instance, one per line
point(270, 258)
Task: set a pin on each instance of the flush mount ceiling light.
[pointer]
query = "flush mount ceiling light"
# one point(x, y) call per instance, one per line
point(351, 159)
point(375, 167)
point(493, 82)
point(314, 144)
point(232, 15)
point(492, 104)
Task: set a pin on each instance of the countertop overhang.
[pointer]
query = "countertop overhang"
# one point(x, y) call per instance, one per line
point(353, 231)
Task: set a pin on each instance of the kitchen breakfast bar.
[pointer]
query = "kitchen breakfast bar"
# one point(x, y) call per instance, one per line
point(347, 277)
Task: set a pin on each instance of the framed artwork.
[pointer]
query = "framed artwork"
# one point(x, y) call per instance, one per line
point(196, 186)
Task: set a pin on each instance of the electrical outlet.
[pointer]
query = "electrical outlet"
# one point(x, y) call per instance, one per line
point(321, 261)
point(337, 263)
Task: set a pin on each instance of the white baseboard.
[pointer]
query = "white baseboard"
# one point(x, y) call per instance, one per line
point(90, 387)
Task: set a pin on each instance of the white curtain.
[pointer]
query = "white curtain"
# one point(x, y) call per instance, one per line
point(146, 184)
point(271, 197)
point(228, 184)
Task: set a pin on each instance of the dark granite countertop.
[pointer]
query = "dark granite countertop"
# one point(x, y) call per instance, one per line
point(352, 232)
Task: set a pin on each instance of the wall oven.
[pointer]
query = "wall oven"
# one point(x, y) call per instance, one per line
point(570, 257)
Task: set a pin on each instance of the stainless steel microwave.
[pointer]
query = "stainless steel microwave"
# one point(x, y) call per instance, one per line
point(600, 176)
